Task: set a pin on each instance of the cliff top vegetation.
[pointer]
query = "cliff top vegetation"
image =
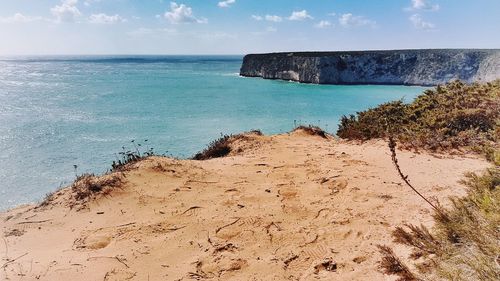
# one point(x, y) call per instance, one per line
point(453, 116)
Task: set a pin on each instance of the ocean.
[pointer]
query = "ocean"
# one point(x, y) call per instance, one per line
point(57, 112)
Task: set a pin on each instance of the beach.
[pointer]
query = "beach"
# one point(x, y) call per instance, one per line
point(292, 206)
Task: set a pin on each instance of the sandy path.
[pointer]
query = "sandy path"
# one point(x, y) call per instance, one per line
point(276, 210)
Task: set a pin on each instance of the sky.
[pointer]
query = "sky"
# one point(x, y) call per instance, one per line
point(51, 27)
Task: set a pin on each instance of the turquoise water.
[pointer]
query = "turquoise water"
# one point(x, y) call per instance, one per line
point(63, 111)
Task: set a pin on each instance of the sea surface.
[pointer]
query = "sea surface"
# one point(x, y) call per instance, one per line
point(57, 112)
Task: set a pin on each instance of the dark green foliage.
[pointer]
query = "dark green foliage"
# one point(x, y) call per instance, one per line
point(217, 148)
point(373, 123)
point(455, 115)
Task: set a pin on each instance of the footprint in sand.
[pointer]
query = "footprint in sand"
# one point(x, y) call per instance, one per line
point(338, 185)
point(316, 252)
point(251, 222)
point(220, 265)
point(288, 193)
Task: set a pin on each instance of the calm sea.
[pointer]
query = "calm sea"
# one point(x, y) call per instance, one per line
point(56, 112)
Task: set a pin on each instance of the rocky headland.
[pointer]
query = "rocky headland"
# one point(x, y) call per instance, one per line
point(393, 67)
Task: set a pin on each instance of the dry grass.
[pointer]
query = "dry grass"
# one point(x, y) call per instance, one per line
point(392, 265)
point(129, 157)
point(84, 189)
point(88, 187)
point(465, 243)
point(222, 146)
point(312, 130)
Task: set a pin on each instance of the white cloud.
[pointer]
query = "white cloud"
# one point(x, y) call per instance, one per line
point(257, 18)
point(19, 18)
point(422, 5)
point(105, 19)
point(300, 15)
point(226, 3)
point(323, 24)
point(419, 23)
point(66, 11)
point(273, 18)
point(182, 14)
point(349, 20)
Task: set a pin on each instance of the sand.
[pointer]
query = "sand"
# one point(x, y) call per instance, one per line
point(283, 207)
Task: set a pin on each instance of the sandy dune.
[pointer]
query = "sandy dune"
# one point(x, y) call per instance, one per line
point(284, 207)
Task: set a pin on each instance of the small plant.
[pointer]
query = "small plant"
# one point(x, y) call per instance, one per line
point(312, 130)
point(217, 148)
point(392, 148)
point(392, 265)
point(88, 186)
point(222, 146)
point(128, 157)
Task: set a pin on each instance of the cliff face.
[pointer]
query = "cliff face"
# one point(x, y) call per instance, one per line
point(400, 67)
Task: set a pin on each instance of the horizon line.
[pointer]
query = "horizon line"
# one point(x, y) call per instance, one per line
point(234, 54)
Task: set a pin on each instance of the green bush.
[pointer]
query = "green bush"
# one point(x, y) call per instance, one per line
point(455, 115)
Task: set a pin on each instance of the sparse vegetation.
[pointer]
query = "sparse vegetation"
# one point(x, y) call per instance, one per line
point(464, 244)
point(222, 146)
point(128, 157)
point(452, 116)
point(85, 188)
point(312, 130)
point(217, 148)
point(392, 265)
point(88, 186)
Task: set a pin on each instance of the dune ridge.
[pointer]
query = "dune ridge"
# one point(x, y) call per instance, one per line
point(294, 206)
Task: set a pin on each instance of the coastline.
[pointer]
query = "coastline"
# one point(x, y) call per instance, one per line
point(418, 67)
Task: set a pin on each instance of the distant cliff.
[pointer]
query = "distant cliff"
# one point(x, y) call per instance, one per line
point(398, 67)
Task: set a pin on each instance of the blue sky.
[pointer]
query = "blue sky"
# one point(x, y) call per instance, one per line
point(243, 26)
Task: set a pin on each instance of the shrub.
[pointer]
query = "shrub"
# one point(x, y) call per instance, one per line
point(88, 186)
point(217, 148)
point(129, 157)
point(455, 115)
point(312, 130)
point(222, 146)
